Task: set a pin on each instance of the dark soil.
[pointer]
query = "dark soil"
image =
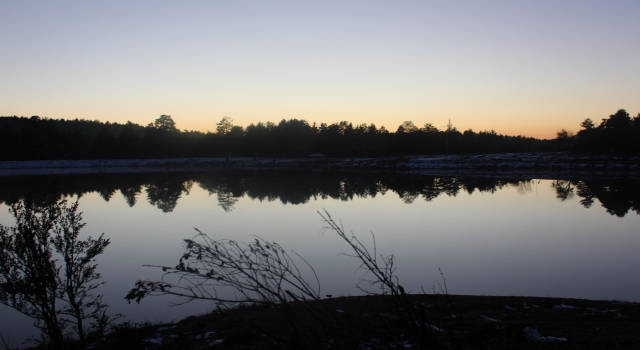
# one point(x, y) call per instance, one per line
point(456, 321)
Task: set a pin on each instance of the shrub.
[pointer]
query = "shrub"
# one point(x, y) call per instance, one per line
point(47, 272)
point(263, 273)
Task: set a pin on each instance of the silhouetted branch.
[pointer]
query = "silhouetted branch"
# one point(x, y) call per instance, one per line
point(260, 272)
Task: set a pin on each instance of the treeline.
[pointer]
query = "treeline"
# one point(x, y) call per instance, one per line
point(618, 134)
point(38, 138)
point(164, 190)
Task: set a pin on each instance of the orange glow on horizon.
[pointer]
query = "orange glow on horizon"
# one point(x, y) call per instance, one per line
point(537, 128)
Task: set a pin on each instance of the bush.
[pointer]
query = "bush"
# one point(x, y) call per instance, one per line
point(262, 273)
point(44, 264)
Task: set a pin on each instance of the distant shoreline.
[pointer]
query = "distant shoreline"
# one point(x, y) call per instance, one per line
point(507, 163)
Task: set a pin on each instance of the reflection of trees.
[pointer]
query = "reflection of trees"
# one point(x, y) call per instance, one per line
point(165, 194)
point(107, 192)
point(298, 187)
point(408, 197)
point(227, 188)
point(617, 196)
point(130, 194)
point(226, 200)
point(564, 189)
point(524, 187)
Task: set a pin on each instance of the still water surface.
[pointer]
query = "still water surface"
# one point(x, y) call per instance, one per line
point(490, 236)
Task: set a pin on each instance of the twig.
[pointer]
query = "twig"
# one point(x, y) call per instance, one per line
point(6, 347)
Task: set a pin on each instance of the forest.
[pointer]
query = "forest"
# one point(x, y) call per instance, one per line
point(37, 138)
point(618, 134)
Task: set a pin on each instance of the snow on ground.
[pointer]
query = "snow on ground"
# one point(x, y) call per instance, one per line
point(532, 334)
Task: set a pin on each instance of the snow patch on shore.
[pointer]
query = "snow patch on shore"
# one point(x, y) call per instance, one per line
point(494, 162)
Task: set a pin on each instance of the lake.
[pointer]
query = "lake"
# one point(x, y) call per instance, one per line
point(573, 238)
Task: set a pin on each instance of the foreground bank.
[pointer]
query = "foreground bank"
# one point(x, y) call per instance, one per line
point(452, 321)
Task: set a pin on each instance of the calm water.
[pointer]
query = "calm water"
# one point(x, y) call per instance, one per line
point(490, 236)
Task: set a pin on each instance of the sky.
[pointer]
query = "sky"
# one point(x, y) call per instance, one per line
point(517, 67)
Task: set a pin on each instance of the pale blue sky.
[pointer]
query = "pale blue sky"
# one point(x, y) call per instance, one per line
point(517, 67)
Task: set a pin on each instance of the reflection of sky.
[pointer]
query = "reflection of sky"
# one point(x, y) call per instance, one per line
point(488, 244)
point(516, 67)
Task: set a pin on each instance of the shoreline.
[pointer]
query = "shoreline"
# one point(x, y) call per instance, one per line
point(462, 321)
point(538, 165)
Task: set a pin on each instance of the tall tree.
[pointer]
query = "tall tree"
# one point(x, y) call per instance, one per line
point(164, 122)
point(224, 126)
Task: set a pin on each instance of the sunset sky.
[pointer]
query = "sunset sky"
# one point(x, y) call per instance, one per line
point(518, 67)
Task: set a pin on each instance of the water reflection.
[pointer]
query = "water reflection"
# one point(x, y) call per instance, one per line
point(564, 189)
point(165, 194)
point(618, 197)
point(164, 190)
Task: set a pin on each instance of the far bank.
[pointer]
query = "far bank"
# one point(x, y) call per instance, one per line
point(552, 163)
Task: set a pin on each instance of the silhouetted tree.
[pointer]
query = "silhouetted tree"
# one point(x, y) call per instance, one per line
point(408, 139)
point(617, 134)
point(104, 145)
point(407, 127)
point(165, 123)
point(161, 138)
point(129, 142)
point(43, 263)
point(564, 139)
point(260, 139)
point(292, 137)
point(229, 136)
point(588, 124)
point(224, 126)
